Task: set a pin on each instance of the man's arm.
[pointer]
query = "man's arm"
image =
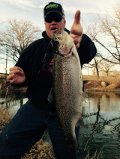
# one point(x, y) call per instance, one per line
point(85, 47)
point(87, 50)
point(76, 31)
point(16, 75)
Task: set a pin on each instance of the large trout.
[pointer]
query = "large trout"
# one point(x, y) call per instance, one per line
point(67, 85)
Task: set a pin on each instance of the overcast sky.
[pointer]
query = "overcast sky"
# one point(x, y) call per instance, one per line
point(32, 10)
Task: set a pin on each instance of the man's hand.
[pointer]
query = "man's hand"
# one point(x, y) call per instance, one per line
point(76, 29)
point(16, 75)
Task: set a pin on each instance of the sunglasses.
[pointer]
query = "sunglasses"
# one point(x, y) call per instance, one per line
point(53, 17)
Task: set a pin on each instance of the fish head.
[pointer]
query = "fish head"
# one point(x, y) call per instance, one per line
point(65, 42)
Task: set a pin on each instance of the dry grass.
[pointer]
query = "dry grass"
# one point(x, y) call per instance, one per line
point(96, 155)
point(4, 117)
point(41, 150)
point(112, 83)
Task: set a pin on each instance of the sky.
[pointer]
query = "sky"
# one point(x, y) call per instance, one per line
point(32, 10)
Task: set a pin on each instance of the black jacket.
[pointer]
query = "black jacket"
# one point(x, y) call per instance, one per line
point(35, 62)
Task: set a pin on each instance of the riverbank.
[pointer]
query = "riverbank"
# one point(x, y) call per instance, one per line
point(102, 84)
point(91, 83)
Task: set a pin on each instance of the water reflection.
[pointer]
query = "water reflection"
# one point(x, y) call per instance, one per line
point(100, 127)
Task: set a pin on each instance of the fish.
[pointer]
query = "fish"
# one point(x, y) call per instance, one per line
point(67, 86)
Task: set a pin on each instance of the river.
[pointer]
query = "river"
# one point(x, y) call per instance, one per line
point(100, 126)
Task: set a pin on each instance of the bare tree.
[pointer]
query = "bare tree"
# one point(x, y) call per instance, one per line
point(95, 65)
point(106, 34)
point(106, 67)
point(17, 37)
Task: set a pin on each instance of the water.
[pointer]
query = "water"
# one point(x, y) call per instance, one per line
point(12, 106)
point(100, 126)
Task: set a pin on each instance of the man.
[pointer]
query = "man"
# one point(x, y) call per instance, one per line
point(33, 70)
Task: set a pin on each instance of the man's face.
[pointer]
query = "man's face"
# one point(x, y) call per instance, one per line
point(54, 23)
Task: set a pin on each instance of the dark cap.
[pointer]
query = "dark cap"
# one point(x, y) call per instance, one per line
point(53, 8)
